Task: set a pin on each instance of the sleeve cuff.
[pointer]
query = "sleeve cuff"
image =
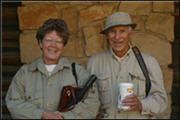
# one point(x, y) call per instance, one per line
point(38, 113)
point(68, 115)
point(145, 107)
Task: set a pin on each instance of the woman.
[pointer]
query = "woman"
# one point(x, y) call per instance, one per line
point(35, 90)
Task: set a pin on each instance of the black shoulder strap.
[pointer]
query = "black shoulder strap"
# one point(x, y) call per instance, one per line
point(143, 68)
point(74, 72)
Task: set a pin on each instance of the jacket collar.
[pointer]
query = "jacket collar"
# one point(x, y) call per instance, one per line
point(39, 64)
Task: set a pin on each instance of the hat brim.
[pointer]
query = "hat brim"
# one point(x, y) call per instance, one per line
point(131, 25)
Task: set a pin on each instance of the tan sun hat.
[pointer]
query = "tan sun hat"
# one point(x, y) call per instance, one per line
point(118, 19)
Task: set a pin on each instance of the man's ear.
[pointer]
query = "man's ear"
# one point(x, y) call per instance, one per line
point(131, 33)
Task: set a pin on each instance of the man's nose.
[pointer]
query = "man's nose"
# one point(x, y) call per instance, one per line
point(117, 35)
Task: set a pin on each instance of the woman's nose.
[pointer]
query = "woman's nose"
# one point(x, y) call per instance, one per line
point(53, 43)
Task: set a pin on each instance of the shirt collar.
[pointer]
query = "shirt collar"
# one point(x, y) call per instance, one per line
point(120, 59)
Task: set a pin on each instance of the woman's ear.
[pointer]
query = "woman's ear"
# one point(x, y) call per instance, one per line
point(40, 44)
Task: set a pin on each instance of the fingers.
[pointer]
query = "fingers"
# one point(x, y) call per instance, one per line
point(52, 115)
point(129, 104)
point(58, 115)
point(133, 102)
point(130, 98)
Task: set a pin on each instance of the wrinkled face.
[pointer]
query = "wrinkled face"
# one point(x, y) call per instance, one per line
point(118, 38)
point(52, 46)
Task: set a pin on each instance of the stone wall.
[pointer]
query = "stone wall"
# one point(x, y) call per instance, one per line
point(153, 34)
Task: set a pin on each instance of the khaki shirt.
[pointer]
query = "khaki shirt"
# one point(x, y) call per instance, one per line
point(32, 91)
point(111, 72)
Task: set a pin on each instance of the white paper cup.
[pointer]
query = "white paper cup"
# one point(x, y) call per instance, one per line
point(125, 89)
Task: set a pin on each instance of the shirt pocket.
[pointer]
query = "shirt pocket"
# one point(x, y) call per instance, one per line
point(103, 83)
point(139, 83)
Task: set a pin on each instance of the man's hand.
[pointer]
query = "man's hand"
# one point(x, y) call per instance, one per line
point(52, 115)
point(133, 102)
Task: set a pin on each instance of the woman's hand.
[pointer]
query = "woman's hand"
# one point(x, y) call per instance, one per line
point(52, 115)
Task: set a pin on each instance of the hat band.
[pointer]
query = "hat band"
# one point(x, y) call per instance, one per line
point(107, 27)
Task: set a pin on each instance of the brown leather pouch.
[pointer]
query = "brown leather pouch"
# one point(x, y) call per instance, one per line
point(68, 93)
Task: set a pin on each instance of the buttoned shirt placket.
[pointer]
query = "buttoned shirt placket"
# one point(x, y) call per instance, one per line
point(116, 78)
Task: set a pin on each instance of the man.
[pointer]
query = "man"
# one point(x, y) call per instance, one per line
point(119, 64)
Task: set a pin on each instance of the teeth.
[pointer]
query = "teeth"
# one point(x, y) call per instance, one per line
point(117, 42)
point(52, 50)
